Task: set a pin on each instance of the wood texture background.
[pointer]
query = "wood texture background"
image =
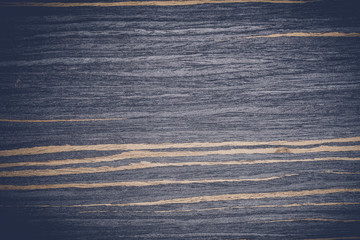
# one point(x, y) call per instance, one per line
point(180, 120)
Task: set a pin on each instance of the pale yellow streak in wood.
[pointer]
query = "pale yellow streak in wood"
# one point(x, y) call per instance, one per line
point(149, 154)
point(112, 147)
point(145, 164)
point(134, 183)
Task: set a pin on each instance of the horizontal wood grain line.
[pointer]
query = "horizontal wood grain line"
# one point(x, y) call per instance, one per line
point(341, 173)
point(307, 34)
point(294, 34)
point(311, 219)
point(333, 238)
point(134, 183)
point(146, 3)
point(149, 154)
point(260, 206)
point(145, 164)
point(223, 197)
point(59, 120)
point(142, 146)
point(237, 207)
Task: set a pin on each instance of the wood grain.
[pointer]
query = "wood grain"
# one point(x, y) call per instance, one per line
point(200, 119)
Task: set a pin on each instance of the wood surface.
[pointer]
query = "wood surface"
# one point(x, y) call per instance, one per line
point(196, 119)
